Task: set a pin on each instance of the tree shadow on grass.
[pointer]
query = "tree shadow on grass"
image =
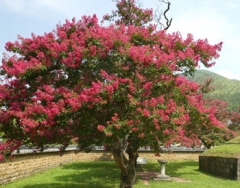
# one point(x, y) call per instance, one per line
point(84, 174)
point(105, 174)
point(179, 169)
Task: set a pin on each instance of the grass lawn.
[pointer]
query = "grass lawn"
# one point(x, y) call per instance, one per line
point(105, 174)
point(230, 149)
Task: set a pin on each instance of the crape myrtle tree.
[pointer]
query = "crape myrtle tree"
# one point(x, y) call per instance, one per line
point(117, 85)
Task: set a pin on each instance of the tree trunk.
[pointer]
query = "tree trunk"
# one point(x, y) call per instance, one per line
point(121, 147)
point(207, 144)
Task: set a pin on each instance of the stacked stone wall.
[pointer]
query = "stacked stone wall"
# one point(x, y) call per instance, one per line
point(27, 164)
point(220, 166)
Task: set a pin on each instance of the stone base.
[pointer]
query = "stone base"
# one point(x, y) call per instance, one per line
point(162, 177)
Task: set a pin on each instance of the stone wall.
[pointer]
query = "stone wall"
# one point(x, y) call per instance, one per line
point(220, 166)
point(26, 164)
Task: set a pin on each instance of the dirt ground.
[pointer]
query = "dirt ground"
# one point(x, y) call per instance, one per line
point(147, 176)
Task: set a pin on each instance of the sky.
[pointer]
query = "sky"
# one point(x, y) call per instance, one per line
point(216, 20)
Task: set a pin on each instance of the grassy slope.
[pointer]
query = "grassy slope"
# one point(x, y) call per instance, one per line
point(227, 150)
point(230, 149)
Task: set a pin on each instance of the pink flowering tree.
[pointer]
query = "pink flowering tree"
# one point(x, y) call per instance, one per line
point(117, 85)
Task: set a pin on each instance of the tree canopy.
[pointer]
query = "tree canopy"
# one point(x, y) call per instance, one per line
point(93, 82)
point(102, 84)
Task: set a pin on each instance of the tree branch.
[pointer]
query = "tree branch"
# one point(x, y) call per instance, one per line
point(117, 151)
point(158, 16)
point(168, 22)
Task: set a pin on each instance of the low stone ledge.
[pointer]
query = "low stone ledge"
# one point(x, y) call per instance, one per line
point(220, 166)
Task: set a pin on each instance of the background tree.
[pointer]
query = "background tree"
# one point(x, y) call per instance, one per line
point(220, 110)
point(234, 123)
point(220, 134)
point(118, 84)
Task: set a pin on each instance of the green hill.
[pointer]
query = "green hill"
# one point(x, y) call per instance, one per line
point(224, 88)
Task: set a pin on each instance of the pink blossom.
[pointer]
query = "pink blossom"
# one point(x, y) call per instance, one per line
point(92, 50)
point(148, 85)
point(153, 102)
point(146, 112)
point(30, 123)
point(123, 80)
point(130, 122)
point(115, 85)
point(83, 98)
point(167, 111)
point(40, 55)
point(165, 118)
point(117, 126)
point(63, 46)
point(54, 111)
point(110, 89)
point(101, 128)
point(132, 88)
point(115, 117)
point(166, 132)
point(141, 135)
point(135, 129)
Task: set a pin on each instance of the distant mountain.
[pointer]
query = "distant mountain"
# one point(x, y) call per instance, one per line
point(224, 88)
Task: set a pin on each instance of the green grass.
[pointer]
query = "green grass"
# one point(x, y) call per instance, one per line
point(227, 150)
point(230, 149)
point(106, 175)
point(235, 140)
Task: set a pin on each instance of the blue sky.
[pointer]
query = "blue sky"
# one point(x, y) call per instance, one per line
point(216, 20)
